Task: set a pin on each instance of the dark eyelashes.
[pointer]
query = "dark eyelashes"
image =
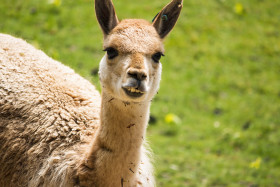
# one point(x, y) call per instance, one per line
point(156, 57)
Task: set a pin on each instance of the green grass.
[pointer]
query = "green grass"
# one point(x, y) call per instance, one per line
point(221, 78)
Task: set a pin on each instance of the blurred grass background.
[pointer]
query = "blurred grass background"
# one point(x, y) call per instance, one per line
point(215, 121)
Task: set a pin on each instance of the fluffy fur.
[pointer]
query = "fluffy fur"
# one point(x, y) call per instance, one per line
point(47, 112)
point(56, 131)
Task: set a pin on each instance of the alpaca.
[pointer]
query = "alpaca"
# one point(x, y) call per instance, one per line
point(55, 128)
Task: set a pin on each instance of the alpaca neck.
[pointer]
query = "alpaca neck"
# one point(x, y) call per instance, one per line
point(117, 145)
point(123, 124)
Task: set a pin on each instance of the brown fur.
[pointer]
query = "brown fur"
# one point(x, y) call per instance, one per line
point(137, 61)
point(45, 99)
point(134, 35)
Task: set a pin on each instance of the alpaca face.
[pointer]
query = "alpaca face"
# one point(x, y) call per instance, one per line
point(131, 70)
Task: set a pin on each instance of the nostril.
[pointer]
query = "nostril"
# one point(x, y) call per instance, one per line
point(138, 75)
point(144, 76)
point(133, 75)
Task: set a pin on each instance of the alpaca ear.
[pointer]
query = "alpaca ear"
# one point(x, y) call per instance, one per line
point(106, 16)
point(167, 17)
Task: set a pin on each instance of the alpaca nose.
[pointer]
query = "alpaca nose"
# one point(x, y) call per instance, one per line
point(136, 78)
point(137, 74)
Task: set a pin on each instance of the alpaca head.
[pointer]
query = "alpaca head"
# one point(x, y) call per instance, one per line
point(130, 70)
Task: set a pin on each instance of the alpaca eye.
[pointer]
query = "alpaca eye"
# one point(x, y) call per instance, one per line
point(156, 57)
point(111, 52)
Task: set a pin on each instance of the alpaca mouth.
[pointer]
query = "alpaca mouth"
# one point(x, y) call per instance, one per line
point(133, 92)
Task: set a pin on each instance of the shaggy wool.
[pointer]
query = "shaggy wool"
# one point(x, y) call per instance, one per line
point(43, 98)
